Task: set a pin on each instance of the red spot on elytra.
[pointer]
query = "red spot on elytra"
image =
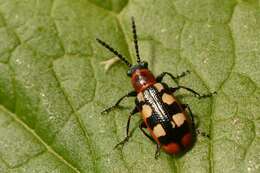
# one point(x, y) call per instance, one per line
point(172, 148)
point(186, 140)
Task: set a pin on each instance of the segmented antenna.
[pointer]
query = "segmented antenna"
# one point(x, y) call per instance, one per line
point(135, 41)
point(115, 52)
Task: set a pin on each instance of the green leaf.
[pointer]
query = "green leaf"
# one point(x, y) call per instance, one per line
point(53, 87)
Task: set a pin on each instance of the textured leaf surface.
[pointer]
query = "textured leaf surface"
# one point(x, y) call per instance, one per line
point(53, 88)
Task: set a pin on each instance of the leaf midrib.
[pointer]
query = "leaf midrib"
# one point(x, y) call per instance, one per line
point(32, 132)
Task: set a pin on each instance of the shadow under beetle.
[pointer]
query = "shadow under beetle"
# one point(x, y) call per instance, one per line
point(164, 117)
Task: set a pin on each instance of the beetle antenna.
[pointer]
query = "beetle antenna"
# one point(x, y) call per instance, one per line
point(135, 40)
point(115, 52)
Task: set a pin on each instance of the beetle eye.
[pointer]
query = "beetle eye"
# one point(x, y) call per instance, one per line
point(145, 64)
point(129, 72)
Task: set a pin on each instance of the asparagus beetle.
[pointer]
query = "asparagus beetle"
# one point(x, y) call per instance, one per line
point(164, 117)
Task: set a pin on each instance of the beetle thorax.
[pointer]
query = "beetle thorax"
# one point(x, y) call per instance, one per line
point(142, 79)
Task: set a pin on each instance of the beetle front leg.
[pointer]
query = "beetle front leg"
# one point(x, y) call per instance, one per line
point(174, 78)
point(130, 94)
point(134, 111)
point(196, 94)
point(198, 132)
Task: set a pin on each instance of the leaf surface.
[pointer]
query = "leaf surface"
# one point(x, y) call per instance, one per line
point(53, 88)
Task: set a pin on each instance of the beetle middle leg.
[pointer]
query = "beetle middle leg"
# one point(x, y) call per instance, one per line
point(198, 95)
point(141, 127)
point(134, 111)
point(204, 134)
point(130, 94)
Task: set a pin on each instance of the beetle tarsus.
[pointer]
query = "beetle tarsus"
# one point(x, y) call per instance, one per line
point(204, 134)
point(157, 152)
point(122, 143)
point(106, 111)
point(206, 95)
point(198, 131)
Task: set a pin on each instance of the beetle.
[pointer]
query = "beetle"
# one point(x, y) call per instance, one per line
point(164, 117)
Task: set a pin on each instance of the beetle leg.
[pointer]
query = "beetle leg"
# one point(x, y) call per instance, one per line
point(174, 78)
point(186, 106)
point(141, 127)
point(198, 132)
point(134, 111)
point(204, 134)
point(130, 94)
point(158, 146)
point(157, 152)
point(199, 96)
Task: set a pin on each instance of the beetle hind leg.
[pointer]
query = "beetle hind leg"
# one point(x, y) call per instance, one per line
point(198, 132)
